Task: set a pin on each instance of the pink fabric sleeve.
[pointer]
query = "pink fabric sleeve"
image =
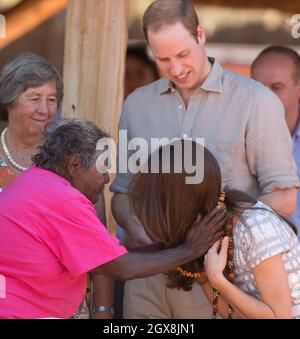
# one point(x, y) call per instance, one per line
point(77, 237)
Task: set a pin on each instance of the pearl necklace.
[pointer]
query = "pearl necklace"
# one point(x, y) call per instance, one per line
point(7, 153)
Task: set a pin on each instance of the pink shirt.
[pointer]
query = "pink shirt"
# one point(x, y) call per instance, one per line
point(50, 237)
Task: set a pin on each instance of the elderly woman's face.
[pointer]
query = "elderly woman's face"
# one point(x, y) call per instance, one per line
point(34, 109)
point(90, 183)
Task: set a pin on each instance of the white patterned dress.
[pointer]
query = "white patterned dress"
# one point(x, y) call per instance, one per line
point(258, 236)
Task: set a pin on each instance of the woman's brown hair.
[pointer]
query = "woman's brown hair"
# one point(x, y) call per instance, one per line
point(167, 206)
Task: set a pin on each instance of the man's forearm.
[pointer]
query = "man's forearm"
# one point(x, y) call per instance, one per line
point(120, 210)
point(136, 236)
point(281, 201)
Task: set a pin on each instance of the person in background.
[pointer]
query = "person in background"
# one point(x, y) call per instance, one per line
point(31, 91)
point(54, 237)
point(278, 68)
point(140, 69)
point(242, 124)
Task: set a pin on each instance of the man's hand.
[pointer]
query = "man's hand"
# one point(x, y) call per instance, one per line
point(207, 230)
point(137, 236)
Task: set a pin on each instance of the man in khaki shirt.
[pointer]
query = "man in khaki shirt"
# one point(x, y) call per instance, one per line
point(242, 124)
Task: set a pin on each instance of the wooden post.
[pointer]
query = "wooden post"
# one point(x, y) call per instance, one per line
point(94, 62)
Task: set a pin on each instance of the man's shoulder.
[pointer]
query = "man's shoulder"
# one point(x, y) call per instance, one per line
point(153, 89)
point(242, 82)
point(248, 88)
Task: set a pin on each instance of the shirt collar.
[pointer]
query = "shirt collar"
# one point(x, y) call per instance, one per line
point(213, 82)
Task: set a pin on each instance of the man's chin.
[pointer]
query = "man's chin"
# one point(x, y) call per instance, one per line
point(183, 85)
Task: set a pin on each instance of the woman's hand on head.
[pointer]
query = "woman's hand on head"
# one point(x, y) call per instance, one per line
point(207, 230)
point(215, 261)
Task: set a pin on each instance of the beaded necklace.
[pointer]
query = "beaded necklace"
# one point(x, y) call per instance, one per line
point(7, 153)
point(198, 276)
point(229, 270)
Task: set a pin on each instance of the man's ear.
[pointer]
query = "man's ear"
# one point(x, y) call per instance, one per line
point(74, 165)
point(201, 35)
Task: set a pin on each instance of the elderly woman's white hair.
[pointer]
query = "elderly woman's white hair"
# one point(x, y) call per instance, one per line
point(27, 70)
point(70, 137)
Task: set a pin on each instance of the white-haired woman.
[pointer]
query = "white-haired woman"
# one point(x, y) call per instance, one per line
point(31, 92)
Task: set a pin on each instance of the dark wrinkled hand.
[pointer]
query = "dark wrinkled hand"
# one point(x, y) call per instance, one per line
point(206, 231)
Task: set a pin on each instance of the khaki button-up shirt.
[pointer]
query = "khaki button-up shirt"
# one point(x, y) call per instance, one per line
point(241, 121)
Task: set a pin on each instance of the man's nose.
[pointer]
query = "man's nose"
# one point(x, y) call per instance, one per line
point(176, 68)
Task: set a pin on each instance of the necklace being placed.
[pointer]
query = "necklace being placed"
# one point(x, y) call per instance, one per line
point(7, 153)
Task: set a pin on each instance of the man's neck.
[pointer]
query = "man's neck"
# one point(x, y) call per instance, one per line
point(186, 95)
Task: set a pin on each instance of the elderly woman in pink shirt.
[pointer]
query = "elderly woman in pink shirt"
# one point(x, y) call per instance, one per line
point(51, 237)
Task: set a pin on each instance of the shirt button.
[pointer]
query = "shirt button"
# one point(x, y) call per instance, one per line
point(184, 136)
point(180, 107)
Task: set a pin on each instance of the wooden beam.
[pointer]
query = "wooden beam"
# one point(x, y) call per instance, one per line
point(95, 48)
point(29, 15)
point(292, 7)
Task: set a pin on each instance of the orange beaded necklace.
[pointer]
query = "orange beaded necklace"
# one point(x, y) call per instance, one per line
point(199, 276)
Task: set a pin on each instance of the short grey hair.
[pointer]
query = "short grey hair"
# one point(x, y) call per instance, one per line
point(70, 137)
point(27, 70)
